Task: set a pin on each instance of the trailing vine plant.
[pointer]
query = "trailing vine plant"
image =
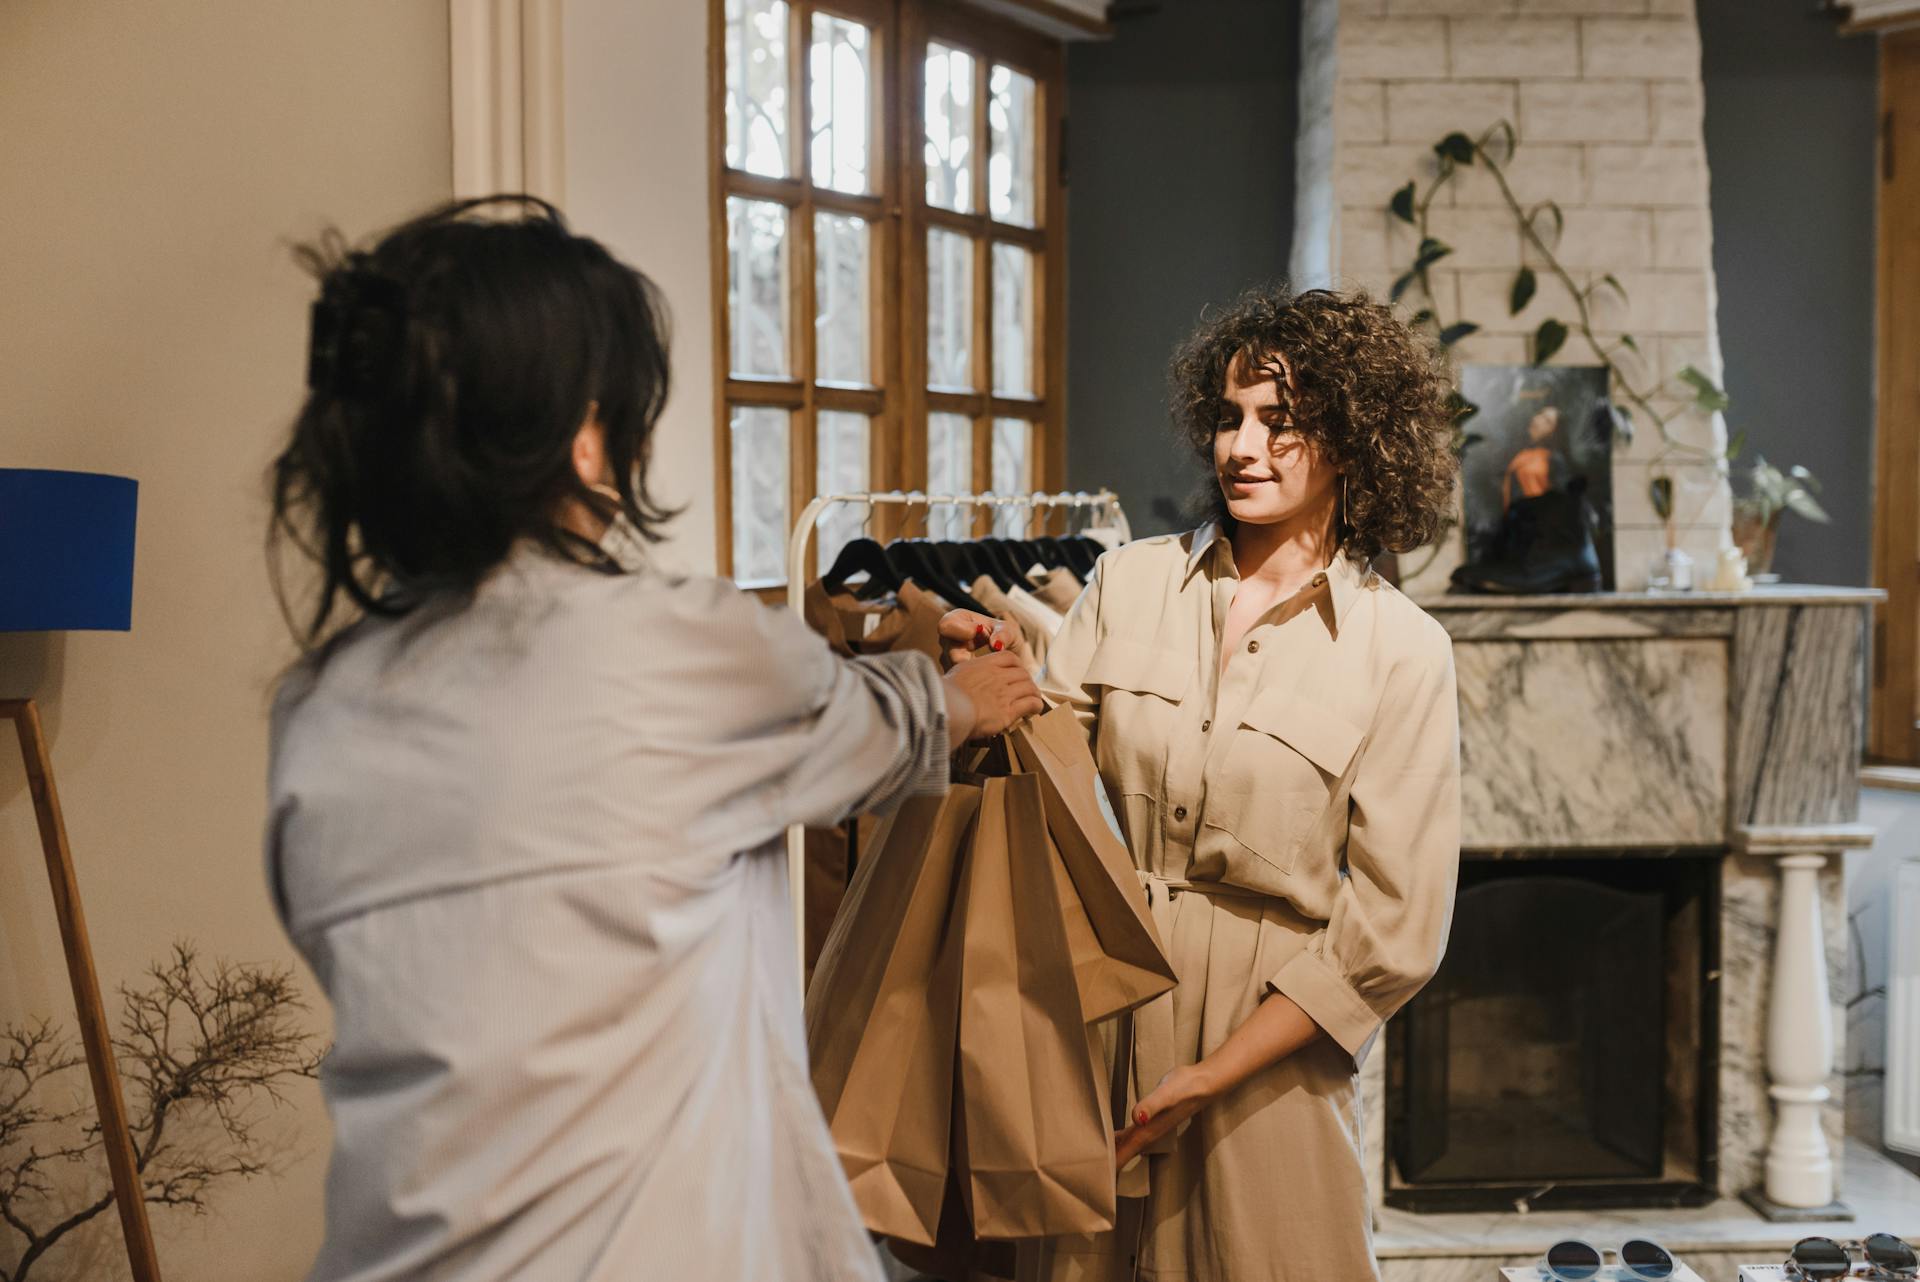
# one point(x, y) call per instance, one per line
point(1541, 225)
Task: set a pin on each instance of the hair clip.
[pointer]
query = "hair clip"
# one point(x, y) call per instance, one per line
point(358, 331)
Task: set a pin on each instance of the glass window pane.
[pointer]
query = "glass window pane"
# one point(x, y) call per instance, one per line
point(949, 97)
point(1012, 472)
point(841, 77)
point(841, 292)
point(949, 471)
point(841, 454)
point(757, 287)
point(949, 310)
point(1013, 337)
point(759, 449)
point(1013, 127)
point(757, 86)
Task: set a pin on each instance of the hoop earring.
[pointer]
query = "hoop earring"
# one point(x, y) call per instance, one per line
point(607, 492)
point(1346, 505)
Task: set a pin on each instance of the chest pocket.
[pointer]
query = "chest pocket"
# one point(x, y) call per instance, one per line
point(1274, 793)
point(1140, 689)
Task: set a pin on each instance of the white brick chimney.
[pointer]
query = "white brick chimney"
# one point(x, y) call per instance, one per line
point(1606, 98)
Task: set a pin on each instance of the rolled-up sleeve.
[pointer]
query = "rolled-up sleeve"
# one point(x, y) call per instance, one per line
point(1394, 906)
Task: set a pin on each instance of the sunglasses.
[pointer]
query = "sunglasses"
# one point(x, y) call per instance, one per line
point(1640, 1261)
point(1816, 1258)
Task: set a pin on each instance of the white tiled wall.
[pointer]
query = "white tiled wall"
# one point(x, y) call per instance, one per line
point(1606, 98)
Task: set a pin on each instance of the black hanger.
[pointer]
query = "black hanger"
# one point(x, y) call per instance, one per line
point(1082, 552)
point(1003, 563)
point(916, 560)
point(1049, 553)
point(858, 556)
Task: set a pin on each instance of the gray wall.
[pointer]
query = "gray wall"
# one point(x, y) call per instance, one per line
point(1180, 193)
point(1791, 120)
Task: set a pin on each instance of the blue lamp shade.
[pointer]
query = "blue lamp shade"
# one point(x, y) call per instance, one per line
point(66, 551)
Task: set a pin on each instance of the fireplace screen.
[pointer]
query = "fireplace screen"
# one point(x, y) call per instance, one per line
point(1561, 1054)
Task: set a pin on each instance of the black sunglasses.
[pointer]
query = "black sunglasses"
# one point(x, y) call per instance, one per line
point(1817, 1258)
point(1576, 1261)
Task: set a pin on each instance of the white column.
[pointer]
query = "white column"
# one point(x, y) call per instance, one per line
point(1799, 1042)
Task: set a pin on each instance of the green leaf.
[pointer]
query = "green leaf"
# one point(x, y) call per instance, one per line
point(1454, 333)
point(1626, 341)
point(1618, 288)
point(1431, 252)
point(1806, 505)
point(1735, 445)
point(1548, 339)
point(1805, 477)
point(1402, 204)
point(1460, 407)
point(1524, 286)
point(1400, 285)
point(1622, 419)
point(1660, 491)
point(1707, 396)
point(1456, 147)
point(1470, 438)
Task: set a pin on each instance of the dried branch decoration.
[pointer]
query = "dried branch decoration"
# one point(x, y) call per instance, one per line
point(200, 1048)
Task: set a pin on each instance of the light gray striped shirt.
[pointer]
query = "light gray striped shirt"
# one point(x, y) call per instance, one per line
point(531, 847)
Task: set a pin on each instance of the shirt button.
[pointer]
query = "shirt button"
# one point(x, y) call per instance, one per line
point(1205, 726)
point(1179, 812)
point(1253, 647)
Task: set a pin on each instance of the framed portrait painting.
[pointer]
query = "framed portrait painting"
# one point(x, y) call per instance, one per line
point(1537, 475)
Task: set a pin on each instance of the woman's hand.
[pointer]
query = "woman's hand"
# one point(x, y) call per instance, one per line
point(1180, 1094)
point(962, 630)
point(988, 694)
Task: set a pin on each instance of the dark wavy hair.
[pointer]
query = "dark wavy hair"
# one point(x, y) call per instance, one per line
point(450, 368)
point(1370, 393)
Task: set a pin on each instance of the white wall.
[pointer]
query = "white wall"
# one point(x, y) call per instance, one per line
point(155, 159)
point(1895, 818)
point(637, 177)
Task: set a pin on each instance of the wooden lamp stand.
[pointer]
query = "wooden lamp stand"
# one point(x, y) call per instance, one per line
point(94, 1033)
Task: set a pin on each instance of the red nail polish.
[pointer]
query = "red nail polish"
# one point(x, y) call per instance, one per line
point(999, 646)
point(978, 631)
point(1140, 1116)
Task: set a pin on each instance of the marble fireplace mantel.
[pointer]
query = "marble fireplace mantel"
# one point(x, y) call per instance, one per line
point(1703, 723)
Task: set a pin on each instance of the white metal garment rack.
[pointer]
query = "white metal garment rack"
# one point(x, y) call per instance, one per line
point(1104, 502)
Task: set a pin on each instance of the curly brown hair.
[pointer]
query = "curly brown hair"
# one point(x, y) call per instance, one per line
point(1373, 395)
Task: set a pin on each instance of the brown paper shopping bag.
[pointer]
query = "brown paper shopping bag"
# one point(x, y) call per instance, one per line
point(1118, 958)
point(882, 1016)
point(1033, 1144)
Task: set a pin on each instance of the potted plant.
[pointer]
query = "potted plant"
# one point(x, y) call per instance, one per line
point(1756, 515)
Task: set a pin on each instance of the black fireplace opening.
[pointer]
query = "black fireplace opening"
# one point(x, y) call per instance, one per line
point(1565, 1053)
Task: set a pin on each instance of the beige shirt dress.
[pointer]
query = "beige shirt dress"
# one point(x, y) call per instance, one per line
point(1296, 821)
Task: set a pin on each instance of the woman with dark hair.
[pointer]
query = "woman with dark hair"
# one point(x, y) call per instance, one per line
point(526, 790)
point(1276, 728)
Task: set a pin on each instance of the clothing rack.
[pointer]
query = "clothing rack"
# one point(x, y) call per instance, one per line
point(1103, 501)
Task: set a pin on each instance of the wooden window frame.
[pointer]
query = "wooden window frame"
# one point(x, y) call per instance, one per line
point(899, 217)
point(1895, 702)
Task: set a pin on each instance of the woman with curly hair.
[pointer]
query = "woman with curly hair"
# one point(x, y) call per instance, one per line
point(1276, 727)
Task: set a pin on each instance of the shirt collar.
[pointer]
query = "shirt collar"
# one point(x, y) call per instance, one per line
point(1345, 577)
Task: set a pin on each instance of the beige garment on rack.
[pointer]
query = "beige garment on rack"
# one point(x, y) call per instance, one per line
point(1057, 588)
point(1034, 614)
point(1296, 819)
point(988, 593)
